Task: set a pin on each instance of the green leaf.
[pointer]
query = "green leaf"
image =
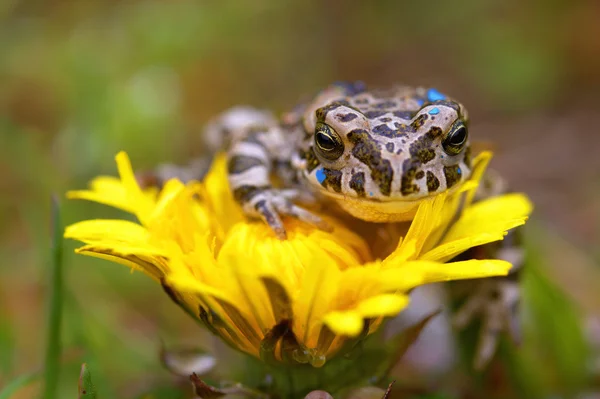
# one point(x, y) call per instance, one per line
point(7, 342)
point(554, 354)
point(53, 344)
point(86, 388)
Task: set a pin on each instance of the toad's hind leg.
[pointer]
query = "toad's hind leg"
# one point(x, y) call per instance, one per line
point(493, 301)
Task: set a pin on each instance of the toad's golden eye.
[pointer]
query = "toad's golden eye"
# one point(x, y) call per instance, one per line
point(328, 143)
point(456, 139)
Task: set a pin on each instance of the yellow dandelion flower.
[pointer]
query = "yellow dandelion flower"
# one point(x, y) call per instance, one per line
point(300, 300)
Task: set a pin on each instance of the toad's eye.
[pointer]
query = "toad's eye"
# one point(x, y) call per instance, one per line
point(456, 138)
point(328, 143)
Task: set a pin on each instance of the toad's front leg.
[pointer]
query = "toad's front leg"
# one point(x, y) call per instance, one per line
point(249, 168)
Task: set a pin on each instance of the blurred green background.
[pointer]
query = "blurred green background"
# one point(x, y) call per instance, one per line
point(81, 80)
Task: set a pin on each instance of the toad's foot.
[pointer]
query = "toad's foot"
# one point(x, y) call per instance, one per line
point(270, 204)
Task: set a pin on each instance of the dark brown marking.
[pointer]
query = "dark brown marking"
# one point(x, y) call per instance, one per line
point(419, 175)
point(421, 150)
point(374, 114)
point(386, 119)
point(419, 121)
point(311, 160)
point(357, 183)
point(409, 170)
point(406, 115)
point(246, 192)
point(368, 151)
point(402, 128)
point(452, 174)
point(241, 163)
point(333, 179)
point(390, 147)
point(434, 132)
point(385, 131)
point(322, 112)
point(347, 117)
point(432, 182)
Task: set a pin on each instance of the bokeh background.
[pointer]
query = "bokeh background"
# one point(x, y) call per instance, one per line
point(81, 80)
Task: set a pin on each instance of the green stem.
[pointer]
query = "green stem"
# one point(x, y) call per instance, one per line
point(53, 344)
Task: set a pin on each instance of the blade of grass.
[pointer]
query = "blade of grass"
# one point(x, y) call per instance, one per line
point(18, 383)
point(53, 349)
point(7, 341)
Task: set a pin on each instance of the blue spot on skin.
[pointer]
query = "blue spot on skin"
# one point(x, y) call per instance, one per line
point(434, 95)
point(434, 111)
point(420, 102)
point(320, 176)
point(459, 171)
point(370, 193)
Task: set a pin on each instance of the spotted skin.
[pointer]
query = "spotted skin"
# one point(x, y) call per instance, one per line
point(432, 182)
point(394, 137)
point(368, 151)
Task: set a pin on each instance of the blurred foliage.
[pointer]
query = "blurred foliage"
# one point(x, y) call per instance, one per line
point(553, 329)
point(81, 80)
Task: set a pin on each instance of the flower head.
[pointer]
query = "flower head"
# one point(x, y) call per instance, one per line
point(299, 300)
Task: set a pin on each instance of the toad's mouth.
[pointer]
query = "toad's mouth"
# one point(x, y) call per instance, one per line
point(379, 199)
point(381, 209)
point(396, 209)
